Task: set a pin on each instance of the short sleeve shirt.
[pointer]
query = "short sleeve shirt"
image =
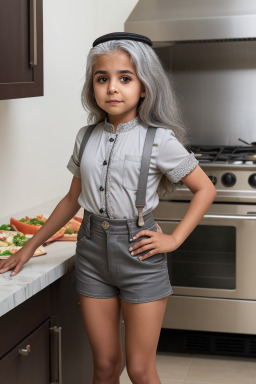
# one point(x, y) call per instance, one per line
point(110, 167)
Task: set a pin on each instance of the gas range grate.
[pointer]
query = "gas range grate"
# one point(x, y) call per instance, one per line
point(224, 154)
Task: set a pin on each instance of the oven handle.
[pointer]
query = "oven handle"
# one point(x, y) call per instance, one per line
point(230, 217)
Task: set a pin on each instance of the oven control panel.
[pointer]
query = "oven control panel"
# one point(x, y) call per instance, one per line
point(232, 182)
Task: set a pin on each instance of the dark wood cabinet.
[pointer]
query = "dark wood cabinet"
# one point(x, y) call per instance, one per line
point(50, 322)
point(28, 362)
point(21, 48)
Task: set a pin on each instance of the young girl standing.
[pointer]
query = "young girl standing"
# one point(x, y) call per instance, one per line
point(119, 165)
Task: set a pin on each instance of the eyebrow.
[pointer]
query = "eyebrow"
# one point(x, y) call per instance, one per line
point(105, 72)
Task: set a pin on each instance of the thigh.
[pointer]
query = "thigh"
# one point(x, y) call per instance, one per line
point(143, 323)
point(102, 323)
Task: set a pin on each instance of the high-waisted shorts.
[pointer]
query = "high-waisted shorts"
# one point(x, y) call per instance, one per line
point(105, 268)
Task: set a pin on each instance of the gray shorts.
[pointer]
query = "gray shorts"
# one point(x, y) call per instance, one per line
point(104, 267)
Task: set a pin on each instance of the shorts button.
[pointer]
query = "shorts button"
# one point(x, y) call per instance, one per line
point(105, 224)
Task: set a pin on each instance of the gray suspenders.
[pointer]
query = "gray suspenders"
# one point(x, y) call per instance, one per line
point(145, 162)
point(84, 140)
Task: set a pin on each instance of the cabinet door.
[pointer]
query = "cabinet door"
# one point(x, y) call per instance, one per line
point(21, 48)
point(32, 367)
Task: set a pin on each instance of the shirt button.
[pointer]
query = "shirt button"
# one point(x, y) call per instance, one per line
point(101, 189)
point(111, 139)
point(104, 162)
point(102, 210)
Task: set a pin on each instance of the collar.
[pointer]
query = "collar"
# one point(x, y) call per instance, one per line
point(123, 127)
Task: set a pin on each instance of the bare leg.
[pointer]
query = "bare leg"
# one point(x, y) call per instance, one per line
point(142, 329)
point(102, 323)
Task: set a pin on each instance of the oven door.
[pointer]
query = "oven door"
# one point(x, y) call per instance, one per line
point(218, 259)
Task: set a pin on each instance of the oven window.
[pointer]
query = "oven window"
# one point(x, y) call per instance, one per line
point(207, 259)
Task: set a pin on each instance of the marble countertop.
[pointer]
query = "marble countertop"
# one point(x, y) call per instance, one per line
point(38, 272)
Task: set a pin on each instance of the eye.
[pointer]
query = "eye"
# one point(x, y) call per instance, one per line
point(125, 79)
point(102, 79)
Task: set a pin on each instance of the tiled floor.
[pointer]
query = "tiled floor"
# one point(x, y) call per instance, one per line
point(202, 369)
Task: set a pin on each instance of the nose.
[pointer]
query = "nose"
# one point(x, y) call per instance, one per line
point(112, 87)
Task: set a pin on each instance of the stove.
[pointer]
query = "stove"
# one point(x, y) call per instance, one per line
point(231, 169)
point(226, 154)
point(213, 271)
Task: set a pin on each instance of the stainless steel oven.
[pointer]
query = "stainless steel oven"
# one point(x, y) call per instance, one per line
point(213, 273)
point(209, 50)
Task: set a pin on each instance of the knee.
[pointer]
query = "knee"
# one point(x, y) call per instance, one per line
point(139, 372)
point(107, 370)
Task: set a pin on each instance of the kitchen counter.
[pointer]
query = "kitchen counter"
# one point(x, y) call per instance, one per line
point(40, 271)
point(41, 297)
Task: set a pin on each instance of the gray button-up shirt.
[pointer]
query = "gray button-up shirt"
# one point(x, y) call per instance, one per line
point(110, 167)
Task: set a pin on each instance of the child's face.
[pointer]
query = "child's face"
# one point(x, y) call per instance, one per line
point(117, 88)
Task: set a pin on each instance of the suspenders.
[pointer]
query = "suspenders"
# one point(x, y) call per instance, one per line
point(84, 140)
point(145, 162)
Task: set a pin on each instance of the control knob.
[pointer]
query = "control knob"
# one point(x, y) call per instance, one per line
point(252, 180)
point(228, 179)
point(213, 179)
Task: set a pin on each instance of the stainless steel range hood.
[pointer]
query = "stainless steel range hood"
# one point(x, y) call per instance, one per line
point(170, 21)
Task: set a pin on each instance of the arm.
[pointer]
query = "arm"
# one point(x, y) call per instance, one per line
point(63, 212)
point(203, 195)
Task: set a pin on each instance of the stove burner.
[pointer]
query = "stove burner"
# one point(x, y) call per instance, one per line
point(225, 154)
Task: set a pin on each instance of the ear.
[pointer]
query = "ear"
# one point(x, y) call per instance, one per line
point(143, 92)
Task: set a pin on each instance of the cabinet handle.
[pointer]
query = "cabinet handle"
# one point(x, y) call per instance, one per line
point(25, 351)
point(33, 32)
point(57, 331)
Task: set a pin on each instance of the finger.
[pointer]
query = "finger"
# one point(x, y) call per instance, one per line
point(2, 263)
point(144, 248)
point(140, 243)
point(145, 232)
point(12, 259)
point(149, 254)
point(17, 268)
point(5, 264)
point(159, 229)
point(7, 267)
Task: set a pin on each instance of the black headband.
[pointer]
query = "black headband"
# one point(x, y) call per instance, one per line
point(122, 36)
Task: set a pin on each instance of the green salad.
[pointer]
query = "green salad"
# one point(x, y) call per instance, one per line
point(20, 240)
point(6, 253)
point(32, 221)
point(6, 227)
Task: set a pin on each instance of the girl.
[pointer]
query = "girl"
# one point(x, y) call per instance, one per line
point(120, 263)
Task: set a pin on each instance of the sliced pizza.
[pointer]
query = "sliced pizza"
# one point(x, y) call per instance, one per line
point(6, 252)
point(29, 225)
point(71, 229)
point(12, 241)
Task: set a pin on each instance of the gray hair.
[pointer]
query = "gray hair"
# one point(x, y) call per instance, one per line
point(159, 108)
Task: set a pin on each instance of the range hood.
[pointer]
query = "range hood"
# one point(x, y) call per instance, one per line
point(174, 21)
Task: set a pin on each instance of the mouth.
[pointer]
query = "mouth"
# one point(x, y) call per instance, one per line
point(113, 102)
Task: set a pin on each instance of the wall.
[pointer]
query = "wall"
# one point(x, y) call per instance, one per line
point(37, 134)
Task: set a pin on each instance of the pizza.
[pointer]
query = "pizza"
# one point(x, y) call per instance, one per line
point(28, 225)
point(12, 241)
point(70, 230)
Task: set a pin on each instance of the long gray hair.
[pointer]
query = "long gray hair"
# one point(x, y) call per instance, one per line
point(159, 108)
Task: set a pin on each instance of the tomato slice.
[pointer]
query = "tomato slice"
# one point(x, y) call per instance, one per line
point(77, 218)
point(27, 229)
point(55, 237)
